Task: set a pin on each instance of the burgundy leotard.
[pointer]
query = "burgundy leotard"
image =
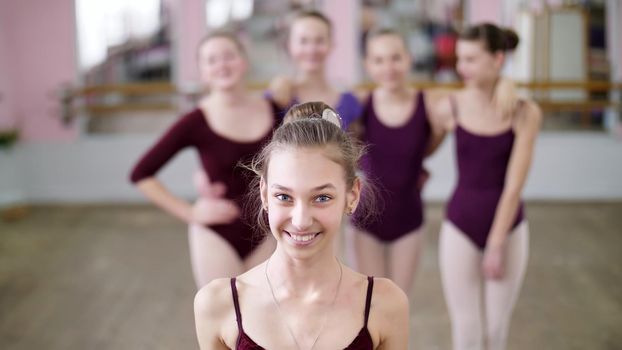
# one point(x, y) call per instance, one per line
point(219, 157)
point(362, 341)
point(394, 161)
point(482, 165)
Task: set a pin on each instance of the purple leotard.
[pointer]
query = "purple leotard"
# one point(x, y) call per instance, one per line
point(349, 108)
point(362, 341)
point(219, 157)
point(394, 161)
point(482, 165)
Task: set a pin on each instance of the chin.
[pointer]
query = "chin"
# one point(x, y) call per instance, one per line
point(228, 85)
point(311, 67)
point(394, 84)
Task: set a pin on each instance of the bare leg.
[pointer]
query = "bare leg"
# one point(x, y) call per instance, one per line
point(370, 255)
point(403, 256)
point(500, 295)
point(460, 261)
point(211, 256)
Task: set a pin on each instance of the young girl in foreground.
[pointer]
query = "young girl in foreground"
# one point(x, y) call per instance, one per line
point(302, 297)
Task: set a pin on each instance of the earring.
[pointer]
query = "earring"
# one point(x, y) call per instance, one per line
point(349, 212)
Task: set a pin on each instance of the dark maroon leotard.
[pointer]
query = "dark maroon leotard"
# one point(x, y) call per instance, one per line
point(219, 157)
point(482, 165)
point(362, 341)
point(394, 162)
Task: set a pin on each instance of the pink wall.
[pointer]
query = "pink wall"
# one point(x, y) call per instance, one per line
point(189, 23)
point(40, 34)
point(7, 118)
point(343, 63)
point(484, 11)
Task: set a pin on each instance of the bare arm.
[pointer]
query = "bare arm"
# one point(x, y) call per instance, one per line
point(506, 98)
point(211, 305)
point(527, 127)
point(281, 90)
point(393, 315)
point(439, 112)
point(210, 209)
point(153, 189)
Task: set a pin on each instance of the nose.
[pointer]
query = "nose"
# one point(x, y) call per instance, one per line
point(301, 217)
point(222, 63)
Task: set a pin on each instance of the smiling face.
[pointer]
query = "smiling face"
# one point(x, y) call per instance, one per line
point(221, 63)
point(309, 43)
point(387, 61)
point(476, 65)
point(307, 197)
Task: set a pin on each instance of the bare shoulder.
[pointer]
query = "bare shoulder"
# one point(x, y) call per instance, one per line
point(213, 310)
point(529, 117)
point(281, 89)
point(440, 109)
point(389, 298)
point(389, 318)
point(214, 302)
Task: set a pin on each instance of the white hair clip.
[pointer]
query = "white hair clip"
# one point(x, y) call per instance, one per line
point(331, 116)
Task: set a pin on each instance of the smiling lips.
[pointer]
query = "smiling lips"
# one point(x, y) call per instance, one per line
point(302, 239)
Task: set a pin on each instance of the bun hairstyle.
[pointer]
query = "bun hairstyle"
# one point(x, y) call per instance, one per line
point(313, 110)
point(308, 125)
point(495, 39)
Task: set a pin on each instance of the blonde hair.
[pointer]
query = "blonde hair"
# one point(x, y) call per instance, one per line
point(225, 34)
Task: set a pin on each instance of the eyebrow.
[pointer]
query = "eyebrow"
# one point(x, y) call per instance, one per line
point(318, 188)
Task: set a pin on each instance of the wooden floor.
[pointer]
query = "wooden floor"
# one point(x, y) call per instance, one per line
point(118, 277)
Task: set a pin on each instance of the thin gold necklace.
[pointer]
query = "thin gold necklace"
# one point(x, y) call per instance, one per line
point(278, 307)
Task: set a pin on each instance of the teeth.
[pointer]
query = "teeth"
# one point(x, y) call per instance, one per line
point(303, 238)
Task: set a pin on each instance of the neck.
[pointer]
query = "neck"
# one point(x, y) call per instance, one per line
point(303, 277)
point(484, 91)
point(401, 92)
point(313, 80)
point(231, 96)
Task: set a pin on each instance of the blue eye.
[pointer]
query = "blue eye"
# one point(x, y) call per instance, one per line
point(322, 198)
point(283, 197)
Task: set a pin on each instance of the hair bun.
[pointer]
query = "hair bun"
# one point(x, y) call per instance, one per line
point(309, 110)
point(511, 39)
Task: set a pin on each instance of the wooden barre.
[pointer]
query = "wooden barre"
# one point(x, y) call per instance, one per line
point(162, 87)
